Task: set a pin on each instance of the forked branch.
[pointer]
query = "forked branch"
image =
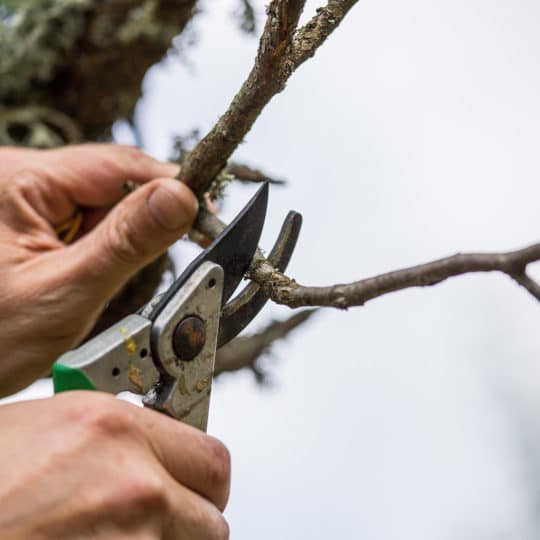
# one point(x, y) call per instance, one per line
point(282, 48)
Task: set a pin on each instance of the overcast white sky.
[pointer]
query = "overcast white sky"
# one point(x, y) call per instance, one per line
point(411, 135)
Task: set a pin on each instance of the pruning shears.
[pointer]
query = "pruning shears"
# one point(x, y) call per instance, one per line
point(166, 351)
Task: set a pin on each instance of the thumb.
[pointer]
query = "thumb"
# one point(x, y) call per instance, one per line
point(138, 229)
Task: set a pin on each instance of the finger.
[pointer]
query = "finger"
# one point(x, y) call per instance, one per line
point(136, 231)
point(202, 465)
point(29, 201)
point(13, 159)
point(193, 517)
point(94, 174)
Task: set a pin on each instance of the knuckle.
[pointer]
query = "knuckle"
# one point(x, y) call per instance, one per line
point(23, 178)
point(145, 491)
point(207, 521)
point(219, 470)
point(22, 182)
point(221, 528)
point(134, 156)
point(130, 150)
point(104, 417)
point(129, 493)
point(212, 522)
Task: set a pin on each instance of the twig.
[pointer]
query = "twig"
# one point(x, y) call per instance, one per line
point(526, 281)
point(245, 173)
point(282, 48)
point(244, 352)
point(284, 290)
point(311, 36)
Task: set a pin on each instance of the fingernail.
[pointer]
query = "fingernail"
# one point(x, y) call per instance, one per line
point(167, 209)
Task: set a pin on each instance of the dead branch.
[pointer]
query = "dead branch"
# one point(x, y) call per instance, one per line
point(245, 173)
point(245, 352)
point(282, 48)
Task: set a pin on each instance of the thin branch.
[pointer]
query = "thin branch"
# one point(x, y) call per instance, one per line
point(311, 36)
point(245, 352)
point(530, 285)
point(284, 290)
point(282, 48)
point(245, 173)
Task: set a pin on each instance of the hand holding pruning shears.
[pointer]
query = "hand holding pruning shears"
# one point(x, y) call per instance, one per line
point(84, 463)
point(52, 293)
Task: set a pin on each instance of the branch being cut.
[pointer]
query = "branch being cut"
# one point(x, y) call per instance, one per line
point(282, 48)
point(284, 290)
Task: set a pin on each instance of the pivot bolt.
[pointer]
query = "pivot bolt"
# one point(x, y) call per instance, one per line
point(189, 337)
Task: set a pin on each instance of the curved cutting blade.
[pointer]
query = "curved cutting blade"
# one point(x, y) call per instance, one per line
point(233, 250)
point(238, 313)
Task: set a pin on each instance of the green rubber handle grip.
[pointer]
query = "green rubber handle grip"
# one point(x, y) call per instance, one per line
point(67, 378)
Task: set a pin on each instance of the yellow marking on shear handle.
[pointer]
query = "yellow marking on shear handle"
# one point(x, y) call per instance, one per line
point(135, 376)
point(129, 342)
point(130, 346)
point(182, 388)
point(202, 384)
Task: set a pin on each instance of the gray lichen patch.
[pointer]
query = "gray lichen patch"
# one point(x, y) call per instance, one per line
point(35, 40)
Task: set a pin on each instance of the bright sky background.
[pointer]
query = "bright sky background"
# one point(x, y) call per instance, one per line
point(411, 135)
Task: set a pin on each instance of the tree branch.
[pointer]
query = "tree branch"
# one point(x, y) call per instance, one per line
point(282, 48)
point(311, 36)
point(245, 173)
point(244, 352)
point(284, 290)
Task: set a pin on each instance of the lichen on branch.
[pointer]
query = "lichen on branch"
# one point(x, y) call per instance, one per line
point(283, 47)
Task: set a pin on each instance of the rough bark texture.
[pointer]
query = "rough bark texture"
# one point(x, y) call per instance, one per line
point(83, 59)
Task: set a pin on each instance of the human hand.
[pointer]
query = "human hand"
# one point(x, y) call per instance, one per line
point(87, 465)
point(51, 293)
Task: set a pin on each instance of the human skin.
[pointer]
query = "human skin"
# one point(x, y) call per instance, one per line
point(84, 464)
point(51, 293)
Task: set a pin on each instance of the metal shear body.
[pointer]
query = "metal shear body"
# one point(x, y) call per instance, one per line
point(166, 351)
